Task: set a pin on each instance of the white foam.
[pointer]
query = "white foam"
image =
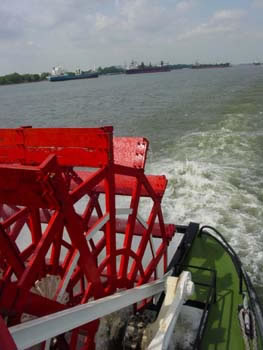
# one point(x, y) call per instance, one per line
point(216, 195)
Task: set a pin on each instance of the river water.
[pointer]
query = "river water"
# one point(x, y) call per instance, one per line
point(205, 129)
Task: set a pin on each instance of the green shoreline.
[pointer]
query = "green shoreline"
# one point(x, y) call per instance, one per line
point(16, 78)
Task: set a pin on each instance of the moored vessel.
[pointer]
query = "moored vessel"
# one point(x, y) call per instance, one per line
point(58, 74)
point(210, 65)
point(135, 68)
point(83, 235)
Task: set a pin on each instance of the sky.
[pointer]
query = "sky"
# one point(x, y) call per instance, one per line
point(36, 35)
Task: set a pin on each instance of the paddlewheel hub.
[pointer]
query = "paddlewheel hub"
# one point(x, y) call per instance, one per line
point(80, 220)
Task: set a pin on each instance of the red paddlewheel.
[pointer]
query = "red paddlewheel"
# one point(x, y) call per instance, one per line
point(65, 237)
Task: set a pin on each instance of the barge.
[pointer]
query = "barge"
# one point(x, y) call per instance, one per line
point(134, 68)
point(58, 74)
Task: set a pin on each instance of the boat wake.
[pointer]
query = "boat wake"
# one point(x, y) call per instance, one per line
point(211, 194)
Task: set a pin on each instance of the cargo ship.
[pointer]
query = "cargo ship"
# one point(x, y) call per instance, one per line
point(87, 259)
point(134, 68)
point(58, 74)
point(216, 65)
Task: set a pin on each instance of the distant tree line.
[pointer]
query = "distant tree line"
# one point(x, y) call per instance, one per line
point(16, 78)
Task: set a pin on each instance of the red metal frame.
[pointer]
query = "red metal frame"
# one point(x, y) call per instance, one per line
point(51, 212)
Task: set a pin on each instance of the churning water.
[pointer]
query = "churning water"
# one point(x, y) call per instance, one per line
point(205, 129)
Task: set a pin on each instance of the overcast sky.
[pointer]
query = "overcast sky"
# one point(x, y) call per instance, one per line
point(36, 35)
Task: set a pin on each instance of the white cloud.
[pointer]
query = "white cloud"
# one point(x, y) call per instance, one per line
point(184, 5)
point(228, 15)
point(257, 3)
point(223, 21)
point(84, 32)
point(64, 23)
point(143, 14)
point(103, 22)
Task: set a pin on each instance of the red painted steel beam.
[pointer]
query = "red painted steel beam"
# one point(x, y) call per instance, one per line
point(6, 340)
point(139, 230)
point(24, 186)
point(124, 185)
point(9, 250)
point(73, 146)
point(88, 185)
point(130, 151)
point(15, 216)
point(110, 229)
point(169, 229)
point(143, 243)
point(32, 270)
point(129, 230)
point(15, 300)
point(75, 228)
